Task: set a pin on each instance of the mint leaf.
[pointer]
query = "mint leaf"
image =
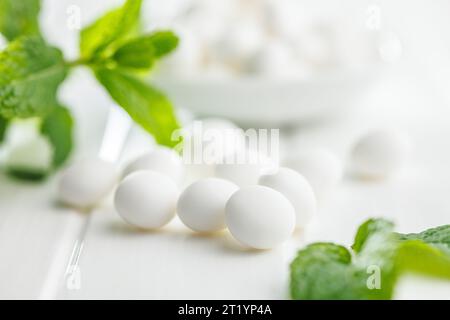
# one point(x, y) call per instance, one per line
point(30, 74)
point(164, 42)
point(146, 105)
point(57, 127)
point(439, 237)
point(315, 270)
point(377, 251)
point(141, 52)
point(18, 18)
point(419, 257)
point(368, 228)
point(427, 252)
point(107, 32)
point(3, 127)
point(329, 271)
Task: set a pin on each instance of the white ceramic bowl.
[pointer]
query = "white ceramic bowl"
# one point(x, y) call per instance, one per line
point(269, 102)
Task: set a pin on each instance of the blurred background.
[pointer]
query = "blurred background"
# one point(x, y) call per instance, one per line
point(322, 71)
point(317, 34)
point(239, 58)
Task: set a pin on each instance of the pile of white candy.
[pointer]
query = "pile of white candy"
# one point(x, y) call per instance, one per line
point(259, 214)
point(275, 38)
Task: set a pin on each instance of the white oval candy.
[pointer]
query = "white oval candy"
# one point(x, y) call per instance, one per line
point(320, 167)
point(296, 189)
point(162, 160)
point(379, 154)
point(275, 59)
point(260, 217)
point(239, 42)
point(85, 183)
point(146, 199)
point(201, 206)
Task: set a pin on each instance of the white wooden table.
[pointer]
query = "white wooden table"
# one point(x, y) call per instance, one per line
point(39, 239)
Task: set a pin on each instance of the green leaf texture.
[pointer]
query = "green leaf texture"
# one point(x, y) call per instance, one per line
point(146, 105)
point(30, 74)
point(19, 18)
point(106, 33)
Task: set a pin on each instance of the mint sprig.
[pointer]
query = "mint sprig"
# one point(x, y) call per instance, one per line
point(330, 271)
point(31, 72)
point(113, 49)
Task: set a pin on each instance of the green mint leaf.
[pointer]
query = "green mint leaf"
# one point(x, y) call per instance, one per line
point(427, 252)
point(57, 127)
point(137, 54)
point(110, 30)
point(146, 105)
point(30, 74)
point(419, 257)
point(315, 269)
point(368, 228)
point(439, 237)
point(164, 42)
point(141, 52)
point(3, 127)
point(377, 251)
point(329, 271)
point(19, 18)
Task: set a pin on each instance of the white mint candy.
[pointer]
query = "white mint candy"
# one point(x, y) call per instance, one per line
point(285, 18)
point(146, 199)
point(296, 189)
point(379, 154)
point(206, 19)
point(239, 42)
point(201, 206)
point(85, 183)
point(275, 59)
point(260, 217)
point(162, 160)
point(316, 46)
point(320, 167)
